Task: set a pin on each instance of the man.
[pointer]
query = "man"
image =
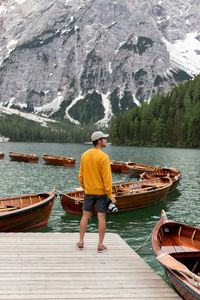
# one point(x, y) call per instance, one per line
point(96, 179)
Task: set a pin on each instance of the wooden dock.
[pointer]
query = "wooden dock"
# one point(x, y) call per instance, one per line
point(49, 266)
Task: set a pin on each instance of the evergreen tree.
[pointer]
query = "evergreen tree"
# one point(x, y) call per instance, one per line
point(168, 120)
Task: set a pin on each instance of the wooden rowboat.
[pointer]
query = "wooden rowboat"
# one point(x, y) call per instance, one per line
point(177, 247)
point(25, 212)
point(174, 174)
point(1, 155)
point(133, 168)
point(23, 157)
point(137, 169)
point(129, 196)
point(119, 166)
point(59, 160)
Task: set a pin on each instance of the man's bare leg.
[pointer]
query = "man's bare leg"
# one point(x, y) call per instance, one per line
point(83, 224)
point(101, 227)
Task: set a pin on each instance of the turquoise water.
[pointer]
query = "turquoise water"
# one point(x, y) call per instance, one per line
point(18, 178)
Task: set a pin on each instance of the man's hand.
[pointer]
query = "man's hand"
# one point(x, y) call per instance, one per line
point(114, 201)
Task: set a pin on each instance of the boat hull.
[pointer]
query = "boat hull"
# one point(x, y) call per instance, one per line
point(72, 203)
point(174, 185)
point(129, 167)
point(20, 157)
point(120, 167)
point(59, 161)
point(182, 289)
point(174, 175)
point(131, 202)
point(72, 206)
point(137, 170)
point(27, 218)
point(183, 243)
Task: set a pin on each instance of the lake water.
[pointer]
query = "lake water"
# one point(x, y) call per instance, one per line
point(18, 178)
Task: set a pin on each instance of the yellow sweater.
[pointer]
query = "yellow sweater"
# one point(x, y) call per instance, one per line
point(95, 173)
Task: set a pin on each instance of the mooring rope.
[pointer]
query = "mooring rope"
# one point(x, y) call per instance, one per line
point(74, 199)
point(144, 244)
point(163, 215)
point(59, 192)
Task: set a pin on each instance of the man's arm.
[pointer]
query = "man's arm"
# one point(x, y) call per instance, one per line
point(80, 175)
point(107, 178)
point(114, 201)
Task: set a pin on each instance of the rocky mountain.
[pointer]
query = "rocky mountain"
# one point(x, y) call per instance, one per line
point(88, 60)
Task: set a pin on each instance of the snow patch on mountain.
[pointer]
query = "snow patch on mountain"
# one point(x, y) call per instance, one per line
point(11, 102)
point(11, 45)
point(67, 116)
point(109, 67)
point(50, 108)
point(20, 1)
point(185, 54)
point(29, 116)
point(107, 111)
point(136, 101)
point(2, 10)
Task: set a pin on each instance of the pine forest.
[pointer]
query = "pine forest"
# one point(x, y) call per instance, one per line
point(168, 120)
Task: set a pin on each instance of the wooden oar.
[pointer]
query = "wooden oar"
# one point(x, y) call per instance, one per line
point(119, 181)
point(171, 263)
point(8, 208)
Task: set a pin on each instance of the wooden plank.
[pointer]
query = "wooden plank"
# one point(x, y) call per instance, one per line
point(49, 266)
point(88, 293)
point(63, 284)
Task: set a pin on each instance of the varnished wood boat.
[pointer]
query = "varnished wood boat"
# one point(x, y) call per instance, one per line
point(133, 168)
point(174, 174)
point(119, 166)
point(1, 155)
point(59, 160)
point(25, 212)
point(137, 169)
point(23, 157)
point(130, 196)
point(182, 242)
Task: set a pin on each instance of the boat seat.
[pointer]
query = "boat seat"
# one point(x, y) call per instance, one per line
point(185, 254)
point(8, 208)
point(79, 198)
point(149, 187)
point(146, 184)
point(13, 206)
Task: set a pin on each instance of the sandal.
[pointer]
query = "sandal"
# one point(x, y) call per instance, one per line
point(80, 245)
point(101, 248)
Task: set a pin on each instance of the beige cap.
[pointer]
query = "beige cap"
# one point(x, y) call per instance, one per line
point(98, 135)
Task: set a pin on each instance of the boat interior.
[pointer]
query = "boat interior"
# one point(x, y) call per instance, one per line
point(178, 238)
point(9, 204)
point(190, 259)
point(126, 188)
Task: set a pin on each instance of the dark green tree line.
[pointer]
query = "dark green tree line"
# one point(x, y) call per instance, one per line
point(170, 120)
point(19, 129)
